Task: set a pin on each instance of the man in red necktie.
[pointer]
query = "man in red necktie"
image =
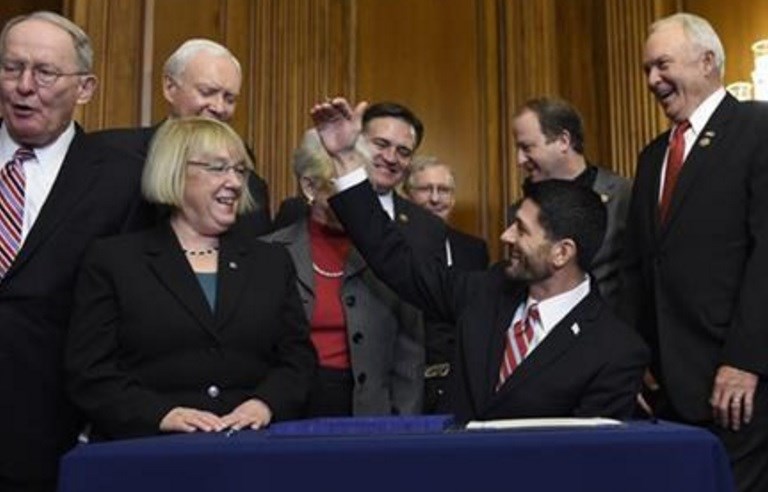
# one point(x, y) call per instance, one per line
point(697, 247)
point(578, 360)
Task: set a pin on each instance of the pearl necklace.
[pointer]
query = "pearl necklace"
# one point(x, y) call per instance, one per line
point(326, 273)
point(200, 252)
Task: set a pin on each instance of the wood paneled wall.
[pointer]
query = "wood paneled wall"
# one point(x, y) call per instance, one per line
point(463, 65)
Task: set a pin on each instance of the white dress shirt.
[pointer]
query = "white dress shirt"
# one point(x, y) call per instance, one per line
point(40, 173)
point(551, 311)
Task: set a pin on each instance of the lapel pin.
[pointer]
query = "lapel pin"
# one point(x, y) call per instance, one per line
point(232, 265)
point(605, 197)
point(575, 329)
point(402, 218)
point(709, 133)
point(704, 142)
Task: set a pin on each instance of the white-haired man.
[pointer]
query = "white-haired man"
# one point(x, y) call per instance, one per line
point(697, 247)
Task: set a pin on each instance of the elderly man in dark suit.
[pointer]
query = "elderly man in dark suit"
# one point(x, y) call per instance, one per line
point(549, 134)
point(200, 78)
point(697, 247)
point(534, 335)
point(59, 189)
point(430, 183)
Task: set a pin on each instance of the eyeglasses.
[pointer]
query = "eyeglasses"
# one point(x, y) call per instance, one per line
point(44, 76)
point(221, 168)
point(441, 190)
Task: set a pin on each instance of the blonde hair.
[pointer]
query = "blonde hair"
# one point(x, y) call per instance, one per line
point(164, 176)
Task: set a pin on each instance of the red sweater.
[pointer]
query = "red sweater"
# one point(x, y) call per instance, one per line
point(329, 249)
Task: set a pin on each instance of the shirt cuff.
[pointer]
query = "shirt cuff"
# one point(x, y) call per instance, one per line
point(349, 180)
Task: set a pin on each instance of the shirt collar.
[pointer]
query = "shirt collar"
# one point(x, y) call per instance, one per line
point(54, 150)
point(704, 112)
point(553, 309)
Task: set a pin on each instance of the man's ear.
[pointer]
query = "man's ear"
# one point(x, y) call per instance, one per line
point(564, 139)
point(86, 88)
point(563, 252)
point(169, 87)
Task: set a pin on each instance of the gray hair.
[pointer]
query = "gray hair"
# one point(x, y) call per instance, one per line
point(422, 163)
point(80, 40)
point(177, 62)
point(700, 32)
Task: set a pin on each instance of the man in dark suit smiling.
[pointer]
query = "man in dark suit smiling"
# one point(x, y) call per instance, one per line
point(67, 190)
point(697, 246)
point(534, 336)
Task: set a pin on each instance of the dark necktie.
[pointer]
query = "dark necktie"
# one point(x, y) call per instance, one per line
point(518, 343)
point(675, 158)
point(12, 185)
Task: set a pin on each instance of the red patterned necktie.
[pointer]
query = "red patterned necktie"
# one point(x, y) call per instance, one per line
point(12, 183)
point(674, 165)
point(518, 342)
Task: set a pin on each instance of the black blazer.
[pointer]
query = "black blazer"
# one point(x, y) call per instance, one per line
point(468, 252)
point(699, 282)
point(135, 142)
point(143, 338)
point(590, 364)
point(96, 193)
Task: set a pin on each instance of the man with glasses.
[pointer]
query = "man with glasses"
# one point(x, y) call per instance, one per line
point(431, 184)
point(200, 78)
point(59, 189)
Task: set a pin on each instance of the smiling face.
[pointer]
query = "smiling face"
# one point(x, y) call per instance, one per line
point(530, 251)
point(36, 115)
point(391, 143)
point(433, 188)
point(679, 73)
point(539, 158)
point(208, 86)
point(210, 200)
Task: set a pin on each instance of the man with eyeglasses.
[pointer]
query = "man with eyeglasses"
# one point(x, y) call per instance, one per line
point(59, 189)
point(200, 78)
point(430, 184)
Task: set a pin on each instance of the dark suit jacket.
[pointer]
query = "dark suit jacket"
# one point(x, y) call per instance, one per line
point(136, 141)
point(468, 252)
point(385, 336)
point(590, 364)
point(143, 338)
point(96, 193)
point(699, 282)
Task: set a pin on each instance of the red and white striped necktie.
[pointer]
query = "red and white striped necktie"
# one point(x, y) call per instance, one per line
point(12, 185)
point(518, 343)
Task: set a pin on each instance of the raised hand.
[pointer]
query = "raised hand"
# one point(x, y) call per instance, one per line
point(339, 127)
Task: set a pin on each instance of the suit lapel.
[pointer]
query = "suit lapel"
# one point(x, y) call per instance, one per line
point(232, 275)
point(701, 154)
point(484, 373)
point(558, 341)
point(76, 177)
point(168, 263)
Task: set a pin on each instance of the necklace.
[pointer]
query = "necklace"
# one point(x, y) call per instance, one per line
point(200, 252)
point(326, 273)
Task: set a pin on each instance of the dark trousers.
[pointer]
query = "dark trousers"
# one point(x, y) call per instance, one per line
point(331, 393)
point(747, 448)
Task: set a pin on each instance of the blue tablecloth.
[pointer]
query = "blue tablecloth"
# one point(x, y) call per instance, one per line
point(425, 455)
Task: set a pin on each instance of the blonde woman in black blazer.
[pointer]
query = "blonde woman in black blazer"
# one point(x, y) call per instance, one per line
point(189, 326)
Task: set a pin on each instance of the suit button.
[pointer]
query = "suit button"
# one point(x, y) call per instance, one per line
point(357, 337)
point(395, 411)
point(213, 391)
point(361, 378)
point(349, 301)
